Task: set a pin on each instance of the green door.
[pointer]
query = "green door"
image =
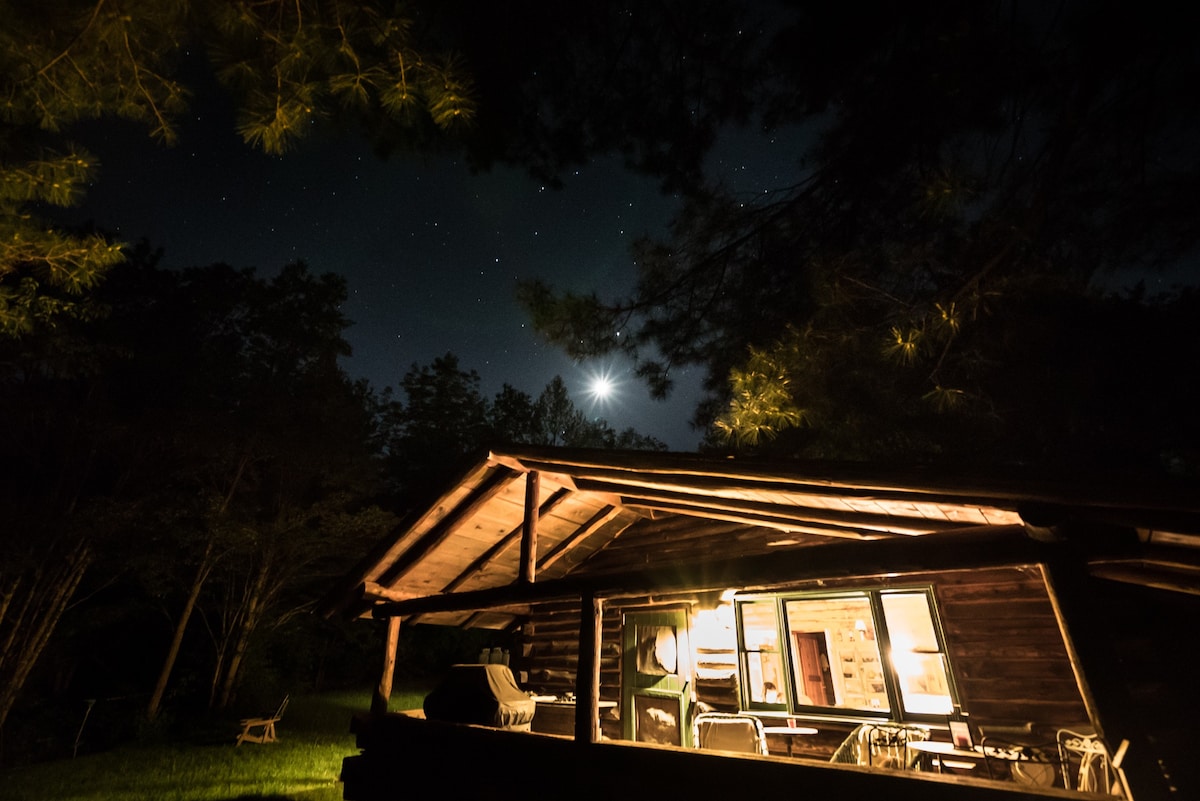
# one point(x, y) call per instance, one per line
point(656, 677)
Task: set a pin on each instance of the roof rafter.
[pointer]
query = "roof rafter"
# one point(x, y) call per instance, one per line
point(493, 484)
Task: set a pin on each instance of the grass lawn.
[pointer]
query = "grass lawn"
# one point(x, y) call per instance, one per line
point(302, 765)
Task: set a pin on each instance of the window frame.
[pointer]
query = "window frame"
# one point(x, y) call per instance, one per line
point(891, 679)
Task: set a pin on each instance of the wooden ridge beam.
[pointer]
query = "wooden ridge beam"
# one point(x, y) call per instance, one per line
point(506, 542)
point(502, 545)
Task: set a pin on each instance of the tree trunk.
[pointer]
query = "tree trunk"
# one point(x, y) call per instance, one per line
point(42, 607)
point(251, 614)
point(164, 675)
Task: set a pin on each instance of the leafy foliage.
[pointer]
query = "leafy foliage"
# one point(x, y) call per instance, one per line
point(558, 83)
point(287, 65)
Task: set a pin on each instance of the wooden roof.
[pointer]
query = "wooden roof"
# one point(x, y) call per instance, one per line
point(595, 506)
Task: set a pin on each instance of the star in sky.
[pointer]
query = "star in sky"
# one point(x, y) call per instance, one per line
point(431, 252)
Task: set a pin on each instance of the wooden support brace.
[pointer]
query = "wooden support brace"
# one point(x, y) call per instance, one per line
point(383, 693)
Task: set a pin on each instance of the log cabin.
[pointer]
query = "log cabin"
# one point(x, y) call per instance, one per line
point(977, 623)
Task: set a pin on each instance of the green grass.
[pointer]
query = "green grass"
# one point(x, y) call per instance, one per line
point(303, 765)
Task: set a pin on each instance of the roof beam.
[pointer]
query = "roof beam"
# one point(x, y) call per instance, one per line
point(569, 543)
point(783, 523)
point(1008, 545)
point(458, 515)
point(772, 513)
point(492, 553)
point(527, 568)
point(1122, 502)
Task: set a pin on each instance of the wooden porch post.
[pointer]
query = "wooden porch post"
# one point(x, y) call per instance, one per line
point(587, 673)
point(383, 693)
point(1082, 607)
point(529, 535)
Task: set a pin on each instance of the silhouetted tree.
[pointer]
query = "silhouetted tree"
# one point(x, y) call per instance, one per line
point(966, 184)
point(202, 439)
point(514, 416)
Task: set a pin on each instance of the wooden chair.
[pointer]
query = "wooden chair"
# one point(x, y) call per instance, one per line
point(261, 730)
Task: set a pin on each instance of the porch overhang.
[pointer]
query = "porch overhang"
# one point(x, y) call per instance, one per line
point(554, 518)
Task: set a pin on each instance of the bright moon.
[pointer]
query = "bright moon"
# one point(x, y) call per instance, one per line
point(601, 387)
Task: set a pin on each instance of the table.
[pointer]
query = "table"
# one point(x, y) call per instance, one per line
point(948, 750)
point(791, 731)
point(558, 717)
point(1033, 770)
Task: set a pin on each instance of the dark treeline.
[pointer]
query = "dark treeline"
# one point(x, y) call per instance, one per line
point(189, 471)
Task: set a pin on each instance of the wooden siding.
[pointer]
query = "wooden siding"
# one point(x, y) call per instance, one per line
point(1009, 656)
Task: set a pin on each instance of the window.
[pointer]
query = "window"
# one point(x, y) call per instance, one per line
point(658, 651)
point(658, 719)
point(917, 656)
point(762, 663)
point(835, 653)
point(874, 652)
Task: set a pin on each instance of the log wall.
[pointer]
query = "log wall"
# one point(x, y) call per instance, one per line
point(1010, 662)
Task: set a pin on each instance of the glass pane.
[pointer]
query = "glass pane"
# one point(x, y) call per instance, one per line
point(658, 651)
point(764, 662)
point(916, 656)
point(657, 719)
point(836, 654)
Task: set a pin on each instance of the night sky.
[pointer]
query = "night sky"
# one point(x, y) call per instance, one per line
point(431, 252)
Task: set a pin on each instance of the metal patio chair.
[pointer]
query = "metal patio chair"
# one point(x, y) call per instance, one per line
point(880, 745)
point(1087, 766)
